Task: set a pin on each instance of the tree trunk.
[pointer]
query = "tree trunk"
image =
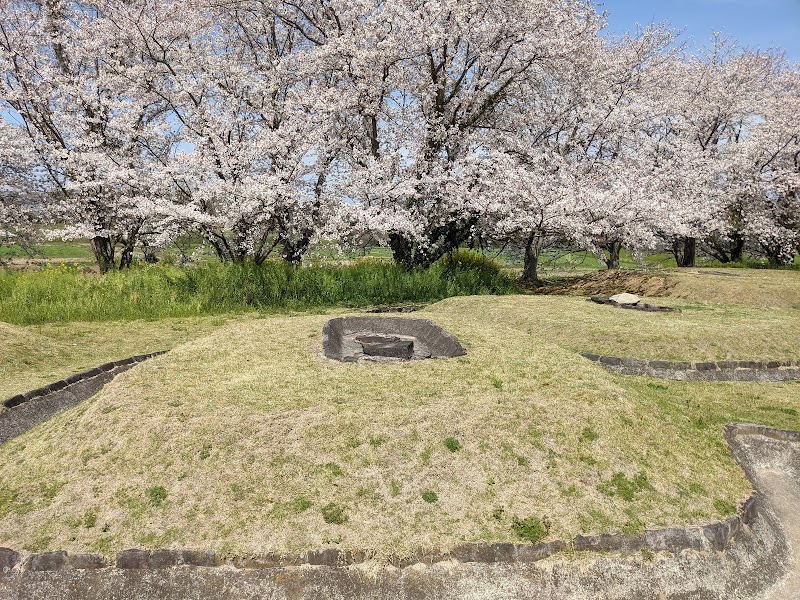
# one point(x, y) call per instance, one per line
point(726, 250)
point(149, 253)
point(293, 252)
point(685, 251)
point(409, 255)
point(737, 247)
point(533, 249)
point(777, 257)
point(442, 239)
point(103, 250)
point(612, 262)
point(126, 257)
point(402, 251)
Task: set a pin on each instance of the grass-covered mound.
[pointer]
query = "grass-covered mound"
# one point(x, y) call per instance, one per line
point(35, 355)
point(248, 440)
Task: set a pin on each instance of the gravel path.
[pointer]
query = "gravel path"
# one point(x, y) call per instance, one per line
point(784, 495)
point(775, 471)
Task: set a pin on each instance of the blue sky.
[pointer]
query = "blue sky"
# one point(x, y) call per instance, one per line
point(755, 23)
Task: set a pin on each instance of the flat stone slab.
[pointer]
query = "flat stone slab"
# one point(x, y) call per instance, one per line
point(625, 298)
point(386, 346)
point(638, 305)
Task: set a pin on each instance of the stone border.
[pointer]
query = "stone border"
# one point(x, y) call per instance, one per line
point(715, 536)
point(726, 370)
point(24, 411)
point(643, 306)
point(440, 343)
point(733, 430)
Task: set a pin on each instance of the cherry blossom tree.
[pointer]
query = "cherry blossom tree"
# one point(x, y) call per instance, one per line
point(22, 190)
point(68, 83)
point(575, 149)
point(425, 82)
point(717, 102)
point(253, 129)
point(267, 125)
point(771, 195)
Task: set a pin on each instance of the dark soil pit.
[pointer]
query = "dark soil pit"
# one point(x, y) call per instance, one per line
point(353, 339)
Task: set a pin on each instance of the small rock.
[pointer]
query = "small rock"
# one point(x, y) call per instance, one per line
point(625, 298)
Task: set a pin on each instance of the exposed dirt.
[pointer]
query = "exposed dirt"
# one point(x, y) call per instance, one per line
point(606, 283)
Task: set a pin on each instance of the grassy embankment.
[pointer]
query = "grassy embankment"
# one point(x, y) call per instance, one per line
point(248, 440)
point(75, 320)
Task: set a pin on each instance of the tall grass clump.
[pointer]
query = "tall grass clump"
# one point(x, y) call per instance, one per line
point(152, 292)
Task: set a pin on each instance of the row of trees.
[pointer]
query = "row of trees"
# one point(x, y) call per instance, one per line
point(266, 125)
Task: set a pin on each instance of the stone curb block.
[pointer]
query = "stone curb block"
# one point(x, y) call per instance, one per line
point(86, 561)
point(8, 560)
point(148, 559)
point(200, 558)
point(728, 370)
point(265, 561)
point(610, 360)
point(47, 561)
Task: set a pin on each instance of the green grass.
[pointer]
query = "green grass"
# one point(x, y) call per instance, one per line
point(581, 261)
point(752, 262)
point(63, 294)
point(429, 496)
point(81, 251)
point(532, 529)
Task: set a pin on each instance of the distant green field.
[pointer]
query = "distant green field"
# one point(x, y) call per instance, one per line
point(66, 250)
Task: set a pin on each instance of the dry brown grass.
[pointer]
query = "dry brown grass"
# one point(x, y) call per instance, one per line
point(747, 287)
point(742, 287)
point(251, 432)
point(35, 355)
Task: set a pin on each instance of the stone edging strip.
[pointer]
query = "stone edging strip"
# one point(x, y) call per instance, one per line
point(27, 410)
point(716, 536)
point(728, 370)
point(713, 537)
